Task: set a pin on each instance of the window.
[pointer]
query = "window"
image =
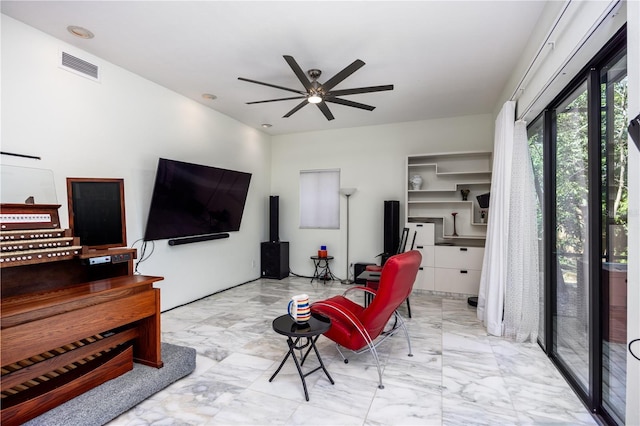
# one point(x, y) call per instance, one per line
point(320, 199)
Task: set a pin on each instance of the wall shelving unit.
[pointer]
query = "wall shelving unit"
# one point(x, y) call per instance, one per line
point(443, 176)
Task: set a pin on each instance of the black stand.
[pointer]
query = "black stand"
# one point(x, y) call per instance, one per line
point(322, 270)
point(311, 331)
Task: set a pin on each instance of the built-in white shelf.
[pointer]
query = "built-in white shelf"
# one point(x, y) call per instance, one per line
point(444, 175)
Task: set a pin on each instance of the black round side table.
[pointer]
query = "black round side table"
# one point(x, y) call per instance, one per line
point(311, 330)
point(322, 270)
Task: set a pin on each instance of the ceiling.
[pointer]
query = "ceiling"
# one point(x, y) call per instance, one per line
point(444, 58)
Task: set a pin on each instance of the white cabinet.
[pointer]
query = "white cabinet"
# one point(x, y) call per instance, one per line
point(444, 176)
point(451, 269)
point(458, 269)
point(459, 257)
point(421, 238)
point(425, 279)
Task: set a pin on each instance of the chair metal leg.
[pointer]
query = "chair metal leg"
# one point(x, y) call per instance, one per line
point(408, 308)
point(344, 358)
point(406, 332)
point(365, 335)
point(374, 352)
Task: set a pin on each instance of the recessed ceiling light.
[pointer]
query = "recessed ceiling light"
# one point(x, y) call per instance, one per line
point(266, 125)
point(80, 32)
point(209, 96)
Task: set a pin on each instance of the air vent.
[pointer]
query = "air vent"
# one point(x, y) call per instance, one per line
point(79, 66)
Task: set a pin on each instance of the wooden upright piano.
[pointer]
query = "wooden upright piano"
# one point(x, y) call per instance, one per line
point(71, 318)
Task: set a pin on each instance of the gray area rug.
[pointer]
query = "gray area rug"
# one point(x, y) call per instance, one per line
point(107, 401)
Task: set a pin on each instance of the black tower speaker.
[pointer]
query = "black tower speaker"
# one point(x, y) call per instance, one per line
point(391, 226)
point(274, 259)
point(274, 218)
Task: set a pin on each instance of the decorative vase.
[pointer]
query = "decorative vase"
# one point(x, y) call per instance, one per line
point(465, 194)
point(416, 182)
point(454, 214)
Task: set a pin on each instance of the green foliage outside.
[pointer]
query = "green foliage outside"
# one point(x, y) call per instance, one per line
point(572, 174)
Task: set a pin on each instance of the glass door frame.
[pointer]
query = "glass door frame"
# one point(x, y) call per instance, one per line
point(592, 398)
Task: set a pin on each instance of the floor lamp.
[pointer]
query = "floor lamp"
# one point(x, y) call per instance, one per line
point(347, 192)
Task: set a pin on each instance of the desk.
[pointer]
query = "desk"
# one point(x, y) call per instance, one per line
point(322, 270)
point(369, 276)
point(310, 330)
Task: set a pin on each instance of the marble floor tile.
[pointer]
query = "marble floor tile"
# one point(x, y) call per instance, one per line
point(457, 375)
point(400, 405)
point(310, 415)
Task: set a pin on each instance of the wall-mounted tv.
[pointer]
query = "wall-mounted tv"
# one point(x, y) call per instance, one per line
point(191, 199)
point(96, 212)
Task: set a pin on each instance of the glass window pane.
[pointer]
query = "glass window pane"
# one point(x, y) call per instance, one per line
point(614, 236)
point(535, 133)
point(571, 317)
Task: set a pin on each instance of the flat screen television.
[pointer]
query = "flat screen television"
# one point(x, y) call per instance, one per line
point(96, 212)
point(191, 199)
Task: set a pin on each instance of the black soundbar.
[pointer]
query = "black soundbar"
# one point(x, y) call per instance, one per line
point(197, 239)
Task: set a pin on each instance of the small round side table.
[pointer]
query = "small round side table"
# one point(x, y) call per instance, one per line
point(322, 270)
point(311, 330)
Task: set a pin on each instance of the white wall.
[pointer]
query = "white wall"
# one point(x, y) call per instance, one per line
point(581, 31)
point(371, 159)
point(118, 128)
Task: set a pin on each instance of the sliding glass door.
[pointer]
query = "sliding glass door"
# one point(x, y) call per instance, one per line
point(572, 286)
point(579, 152)
point(614, 235)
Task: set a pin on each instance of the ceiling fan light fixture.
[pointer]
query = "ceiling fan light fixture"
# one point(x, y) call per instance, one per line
point(314, 98)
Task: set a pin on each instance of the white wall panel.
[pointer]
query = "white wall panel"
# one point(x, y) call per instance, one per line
point(118, 128)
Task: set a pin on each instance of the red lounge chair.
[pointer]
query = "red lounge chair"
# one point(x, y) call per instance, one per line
point(360, 328)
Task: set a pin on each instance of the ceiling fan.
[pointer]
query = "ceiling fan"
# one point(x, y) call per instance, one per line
point(318, 93)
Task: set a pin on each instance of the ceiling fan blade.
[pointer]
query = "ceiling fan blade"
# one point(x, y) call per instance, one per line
point(350, 69)
point(325, 110)
point(298, 72)
point(294, 110)
point(358, 90)
point(276, 100)
point(273, 85)
point(349, 103)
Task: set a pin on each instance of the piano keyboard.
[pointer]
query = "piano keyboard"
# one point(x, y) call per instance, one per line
point(13, 246)
point(31, 246)
point(29, 257)
point(34, 234)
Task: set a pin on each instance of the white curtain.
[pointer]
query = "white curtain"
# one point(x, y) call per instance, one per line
point(521, 295)
point(508, 296)
point(494, 267)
